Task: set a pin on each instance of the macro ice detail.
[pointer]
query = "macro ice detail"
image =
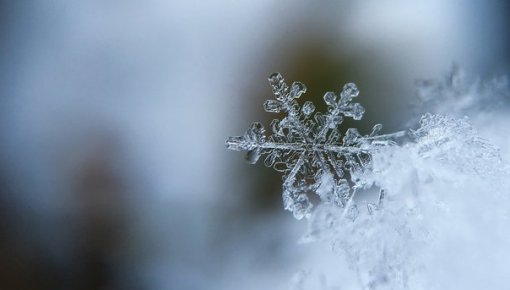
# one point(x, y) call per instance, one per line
point(443, 189)
point(310, 151)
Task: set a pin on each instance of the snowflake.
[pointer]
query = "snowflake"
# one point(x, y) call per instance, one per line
point(309, 149)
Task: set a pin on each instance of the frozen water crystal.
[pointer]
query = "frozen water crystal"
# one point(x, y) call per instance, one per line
point(443, 191)
point(349, 91)
point(308, 148)
point(272, 106)
point(308, 108)
point(297, 89)
point(330, 98)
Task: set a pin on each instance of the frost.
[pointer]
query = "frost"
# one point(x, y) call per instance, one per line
point(444, 176)
point(440, 137)
point(486, 101)
point(442, 209)
point(309, 149)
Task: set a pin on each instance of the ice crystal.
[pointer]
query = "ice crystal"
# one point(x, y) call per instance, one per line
point(310, 151)
point(445, 189)
point(439, 137)
point(433, 184)
point(485, 100)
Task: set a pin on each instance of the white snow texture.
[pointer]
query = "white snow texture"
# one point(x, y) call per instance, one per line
point(434, 213)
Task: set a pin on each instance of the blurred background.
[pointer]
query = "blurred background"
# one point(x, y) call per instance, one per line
point(113, 170)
